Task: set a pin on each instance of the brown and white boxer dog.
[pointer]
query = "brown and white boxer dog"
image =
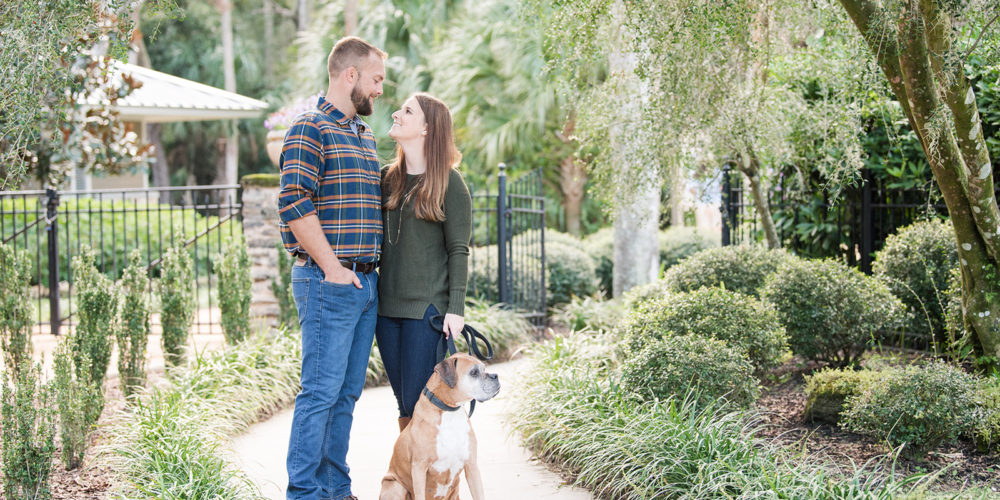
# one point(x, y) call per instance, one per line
point(439, 442)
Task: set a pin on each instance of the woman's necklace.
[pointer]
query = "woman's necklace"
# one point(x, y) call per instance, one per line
point(399, 224)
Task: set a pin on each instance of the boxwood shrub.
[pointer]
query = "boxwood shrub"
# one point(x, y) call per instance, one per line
point(916, 264)
point(827, 389)
point(744, 322)
point(919, 406)
point(829, 310)
point(986, 431)
point(674, 364)
point(739, 268)
point(569, 272)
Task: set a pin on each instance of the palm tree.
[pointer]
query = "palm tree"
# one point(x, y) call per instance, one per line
point(493, 75)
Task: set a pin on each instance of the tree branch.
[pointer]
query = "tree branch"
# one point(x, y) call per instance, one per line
point(980, 37)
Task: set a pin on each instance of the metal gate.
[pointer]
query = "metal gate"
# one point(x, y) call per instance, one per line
point(54, 226)
point(507, 262)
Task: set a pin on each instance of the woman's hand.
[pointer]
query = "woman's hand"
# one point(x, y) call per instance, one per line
point(453, 324)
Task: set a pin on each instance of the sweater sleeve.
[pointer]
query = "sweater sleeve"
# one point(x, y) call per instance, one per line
point(457, 233)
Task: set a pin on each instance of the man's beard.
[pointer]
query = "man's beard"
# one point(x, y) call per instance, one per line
point(362, 104)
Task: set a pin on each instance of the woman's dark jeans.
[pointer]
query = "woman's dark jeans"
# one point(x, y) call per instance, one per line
point(409, 353)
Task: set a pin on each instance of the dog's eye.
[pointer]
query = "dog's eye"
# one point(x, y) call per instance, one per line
point(474, 372)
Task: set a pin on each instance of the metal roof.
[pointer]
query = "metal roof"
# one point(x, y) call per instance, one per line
point(167, 98)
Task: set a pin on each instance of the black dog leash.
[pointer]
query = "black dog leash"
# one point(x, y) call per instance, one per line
point(446, 345)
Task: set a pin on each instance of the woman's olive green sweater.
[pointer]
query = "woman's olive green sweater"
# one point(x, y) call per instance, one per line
point(425, 262)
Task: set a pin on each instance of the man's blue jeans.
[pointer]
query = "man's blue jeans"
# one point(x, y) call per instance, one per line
point(338, 325)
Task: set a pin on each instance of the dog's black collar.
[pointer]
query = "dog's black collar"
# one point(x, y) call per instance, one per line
point(437, 402)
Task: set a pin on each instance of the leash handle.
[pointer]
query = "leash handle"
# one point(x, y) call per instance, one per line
point(446, 345)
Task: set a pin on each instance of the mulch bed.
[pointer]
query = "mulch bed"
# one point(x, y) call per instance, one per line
point(782, 404)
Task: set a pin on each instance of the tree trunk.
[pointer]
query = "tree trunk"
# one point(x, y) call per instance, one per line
point(161, 170)
point(928, 88)
point(350, 17)
point(302, 9)
point(637, 210)
point(572, 180)
point(750, 166)
point(268, 40)
point(228, 172)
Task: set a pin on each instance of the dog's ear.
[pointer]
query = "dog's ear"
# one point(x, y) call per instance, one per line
point(448, 371)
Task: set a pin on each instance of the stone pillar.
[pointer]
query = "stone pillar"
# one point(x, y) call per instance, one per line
point(260, 226)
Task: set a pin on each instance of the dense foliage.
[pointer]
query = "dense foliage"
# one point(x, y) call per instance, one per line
point(707, 368)
point(134, 326)
point(830, 311)
point(743, 322)
point(232, 268)
point(739, 268)
point(177, 302)
point(27, 442)
point(916, 406)
point(916, 263)
point(15, 308)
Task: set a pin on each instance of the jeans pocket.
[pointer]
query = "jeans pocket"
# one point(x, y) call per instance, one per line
point(300, 294)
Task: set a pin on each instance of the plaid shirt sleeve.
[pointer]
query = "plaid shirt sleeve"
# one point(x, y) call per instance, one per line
point(300, 164)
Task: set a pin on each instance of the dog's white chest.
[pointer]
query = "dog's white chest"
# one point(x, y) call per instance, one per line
point(452, 442)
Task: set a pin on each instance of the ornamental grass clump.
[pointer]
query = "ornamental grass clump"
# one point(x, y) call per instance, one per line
point(97, 307)
point(916, 263)
point(27, 442)
point(743, 322)
point(917, 406)
point(134, 328)
point(232, 267)
point(79, 402)
point(176, 288)
point(169, 441)
point(739, 268)
point(15, 308)
point(708, 368)
point(588, 312)
point(831, 312)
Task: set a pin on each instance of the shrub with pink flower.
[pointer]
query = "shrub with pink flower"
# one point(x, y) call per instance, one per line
point(283, 118)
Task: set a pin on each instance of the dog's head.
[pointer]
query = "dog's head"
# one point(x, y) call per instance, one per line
point(467, 376)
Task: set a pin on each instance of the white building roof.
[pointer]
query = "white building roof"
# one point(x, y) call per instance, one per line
point(167, 98)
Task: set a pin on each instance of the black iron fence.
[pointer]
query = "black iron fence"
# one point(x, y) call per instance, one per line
point(507, 263)
point(851, 227)
point(53, 227)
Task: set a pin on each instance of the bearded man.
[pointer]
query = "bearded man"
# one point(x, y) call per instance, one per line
point(331, 222)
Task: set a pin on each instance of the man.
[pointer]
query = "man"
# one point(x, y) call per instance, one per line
point(331, 221)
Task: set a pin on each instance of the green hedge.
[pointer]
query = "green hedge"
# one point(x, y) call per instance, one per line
point(572, 412)
point(827, 389)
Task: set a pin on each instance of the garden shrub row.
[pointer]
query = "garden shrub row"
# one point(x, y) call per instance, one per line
point(621, 447)
point(916, 406)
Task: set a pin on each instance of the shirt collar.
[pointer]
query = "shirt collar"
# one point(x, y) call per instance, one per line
point(327, 107)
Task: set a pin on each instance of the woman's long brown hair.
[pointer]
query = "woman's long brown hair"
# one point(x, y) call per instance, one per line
point(441, 156)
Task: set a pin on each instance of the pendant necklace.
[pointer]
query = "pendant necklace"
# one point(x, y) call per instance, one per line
point(399, 225)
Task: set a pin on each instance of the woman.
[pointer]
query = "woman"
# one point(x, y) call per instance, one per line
point(427, 223)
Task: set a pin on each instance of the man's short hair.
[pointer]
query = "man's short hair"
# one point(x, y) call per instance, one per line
point(350, 51)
